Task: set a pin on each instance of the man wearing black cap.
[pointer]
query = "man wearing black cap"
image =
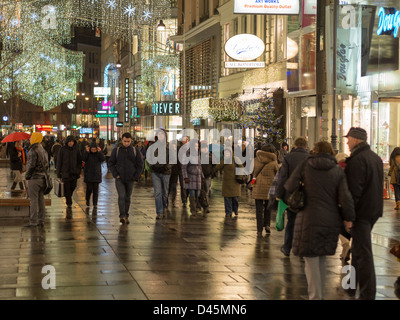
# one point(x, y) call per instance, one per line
point(364, 171)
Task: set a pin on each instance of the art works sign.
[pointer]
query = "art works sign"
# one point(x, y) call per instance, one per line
point(267, 6)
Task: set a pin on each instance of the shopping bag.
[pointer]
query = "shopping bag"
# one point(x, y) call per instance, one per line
point(59, 188)
point(147, 166)
point(280, 215)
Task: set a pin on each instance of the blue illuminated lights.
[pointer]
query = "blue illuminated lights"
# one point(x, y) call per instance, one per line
point(389, 21)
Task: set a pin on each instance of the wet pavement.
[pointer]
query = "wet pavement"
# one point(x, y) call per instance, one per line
point(181, 257)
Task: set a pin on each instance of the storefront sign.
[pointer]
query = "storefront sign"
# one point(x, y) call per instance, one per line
point(348, 48)
point(40, 127)
point(244, 47)
point(310, 7)
point(126, 99)
point(166, 108)
point(86, 131)
point(102, 91)
point(244, 65)
point(106, 115)
point(267, 7)
point(389, 21)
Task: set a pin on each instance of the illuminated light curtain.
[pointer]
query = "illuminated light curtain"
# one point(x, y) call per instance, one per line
point(118, 18)
point(35, 66)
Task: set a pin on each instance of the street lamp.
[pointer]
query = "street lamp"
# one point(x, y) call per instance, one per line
point(161, 26)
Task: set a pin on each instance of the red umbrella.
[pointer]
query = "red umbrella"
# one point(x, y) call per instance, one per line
point(16, 136)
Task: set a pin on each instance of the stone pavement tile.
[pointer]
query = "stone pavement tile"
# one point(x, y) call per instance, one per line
point(182, 257)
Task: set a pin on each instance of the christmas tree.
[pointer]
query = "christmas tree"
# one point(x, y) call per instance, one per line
point(263, 119)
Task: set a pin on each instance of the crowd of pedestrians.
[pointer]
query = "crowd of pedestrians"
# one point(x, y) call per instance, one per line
point(343, 194)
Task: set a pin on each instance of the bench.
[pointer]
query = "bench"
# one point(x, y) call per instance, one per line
point(4, 163)
point(15, 204)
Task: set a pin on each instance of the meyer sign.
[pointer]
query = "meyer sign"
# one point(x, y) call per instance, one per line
point(267, 6)
point(244, 47)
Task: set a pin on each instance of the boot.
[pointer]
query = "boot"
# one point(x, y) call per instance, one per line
point(397, 205)
point(21, 186)
point(193, 205)
point(13, 186)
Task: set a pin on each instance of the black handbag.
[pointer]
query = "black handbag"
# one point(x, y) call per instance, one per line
point(296, 200)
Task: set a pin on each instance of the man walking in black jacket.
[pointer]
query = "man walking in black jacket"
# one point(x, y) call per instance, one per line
point(126, 165)
point(364, 171)
point(297, 156)
point(69, 167)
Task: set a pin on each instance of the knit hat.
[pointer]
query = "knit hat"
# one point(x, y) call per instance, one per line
point(357, 133)
point(93, 144)
point(36, 137)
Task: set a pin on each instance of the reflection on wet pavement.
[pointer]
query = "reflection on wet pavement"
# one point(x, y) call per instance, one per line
point(179, 257)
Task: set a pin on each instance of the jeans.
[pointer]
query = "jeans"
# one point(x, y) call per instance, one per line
point(231, 205)
point(161, 188)
point(263, 214)
point(206, 186)
point(92, 187)
point(289, 230)
point(36, 196)
point(193, 193)
point(173, 183)
point(124, 190)
point(69, 188)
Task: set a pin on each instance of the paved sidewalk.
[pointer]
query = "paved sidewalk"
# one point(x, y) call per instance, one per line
point(179, 258)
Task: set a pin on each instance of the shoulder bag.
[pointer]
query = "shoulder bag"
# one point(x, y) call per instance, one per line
point(296, 200)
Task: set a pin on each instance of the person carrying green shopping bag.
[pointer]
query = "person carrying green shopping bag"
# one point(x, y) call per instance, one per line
point(280, 215)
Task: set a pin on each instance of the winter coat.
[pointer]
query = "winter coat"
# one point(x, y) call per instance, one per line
point(193, 172)
point(37, 162)
point(394, 170)
point(289, 164)
point(164, 168)
point(230, 188)
point(15, 160)
point(364, 171)
point(69, 161)
point(265, 167)
point(93, 161)
point(126, 163)
point(318, 225)
point(55, 149)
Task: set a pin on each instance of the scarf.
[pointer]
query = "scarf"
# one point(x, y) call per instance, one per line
point(23, 154)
